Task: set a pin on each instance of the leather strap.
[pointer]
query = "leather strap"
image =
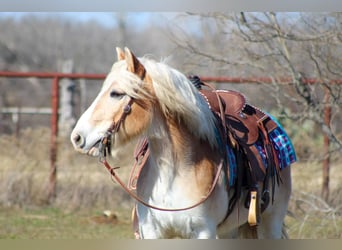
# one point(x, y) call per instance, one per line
point(141, 154)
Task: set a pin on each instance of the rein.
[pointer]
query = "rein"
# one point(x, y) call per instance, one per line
point(105, 146)
point(137, 198)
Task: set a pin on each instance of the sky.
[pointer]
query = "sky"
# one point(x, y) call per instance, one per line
point(174, 5)
point(104, 18)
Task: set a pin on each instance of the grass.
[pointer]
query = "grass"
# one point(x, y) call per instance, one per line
point(315, 219)
point(84, 190)
point(310, 216)
point(51, 223)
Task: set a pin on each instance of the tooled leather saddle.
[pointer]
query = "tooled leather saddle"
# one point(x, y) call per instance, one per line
point(245, 124)
point(246, 128)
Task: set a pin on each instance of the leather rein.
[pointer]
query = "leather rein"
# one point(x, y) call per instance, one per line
point(104, 148)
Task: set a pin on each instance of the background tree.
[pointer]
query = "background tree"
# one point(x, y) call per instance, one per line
point(300, 47)
point(41, 43)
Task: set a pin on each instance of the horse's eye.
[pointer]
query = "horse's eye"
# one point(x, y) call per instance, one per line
point(115, 94)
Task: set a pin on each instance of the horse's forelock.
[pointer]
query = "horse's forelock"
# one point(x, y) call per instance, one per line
point(128, 82)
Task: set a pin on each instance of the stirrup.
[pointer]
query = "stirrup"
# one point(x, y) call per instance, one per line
point(253, 212)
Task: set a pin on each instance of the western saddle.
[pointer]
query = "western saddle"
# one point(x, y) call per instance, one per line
point(245, 126)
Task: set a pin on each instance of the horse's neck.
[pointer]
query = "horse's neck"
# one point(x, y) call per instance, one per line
point(177, 156)
point(171, 140)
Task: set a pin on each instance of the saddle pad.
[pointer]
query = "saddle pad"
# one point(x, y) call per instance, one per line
point(232, 166)
point(283, 146)
point(281, 143)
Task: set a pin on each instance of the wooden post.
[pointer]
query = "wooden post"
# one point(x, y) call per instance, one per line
point(326, 147)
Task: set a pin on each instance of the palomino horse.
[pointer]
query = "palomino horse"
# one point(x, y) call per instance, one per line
point(182, 188)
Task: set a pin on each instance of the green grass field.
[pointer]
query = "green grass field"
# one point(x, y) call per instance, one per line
point(51, 223)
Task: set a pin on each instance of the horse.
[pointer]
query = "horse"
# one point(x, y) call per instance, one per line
point(182, 189)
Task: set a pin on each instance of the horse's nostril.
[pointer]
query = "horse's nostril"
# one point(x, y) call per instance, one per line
point(78, 140)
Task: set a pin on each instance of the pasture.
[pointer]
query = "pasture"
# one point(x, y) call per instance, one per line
point(85, 190)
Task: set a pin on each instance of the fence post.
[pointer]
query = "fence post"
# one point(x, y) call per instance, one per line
point(54, 133)
point(326, 147)
point(83, 95)
point(67, 118)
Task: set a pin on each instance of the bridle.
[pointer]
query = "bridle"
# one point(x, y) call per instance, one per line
point(105, 143)
point(105, 147)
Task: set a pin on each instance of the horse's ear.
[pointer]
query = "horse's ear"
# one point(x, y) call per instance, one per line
point(134, 65)
point(120, 54)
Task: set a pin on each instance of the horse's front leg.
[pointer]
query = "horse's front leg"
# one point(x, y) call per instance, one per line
point(148, 231)
point(208, 231)
point(144, 224)
point(166, 225)
point(153, 229)
point(205, 234)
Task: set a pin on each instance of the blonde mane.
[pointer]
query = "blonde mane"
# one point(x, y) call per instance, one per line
point(176, 95)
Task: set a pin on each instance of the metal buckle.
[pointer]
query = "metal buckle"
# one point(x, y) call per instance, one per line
point(127, 109)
